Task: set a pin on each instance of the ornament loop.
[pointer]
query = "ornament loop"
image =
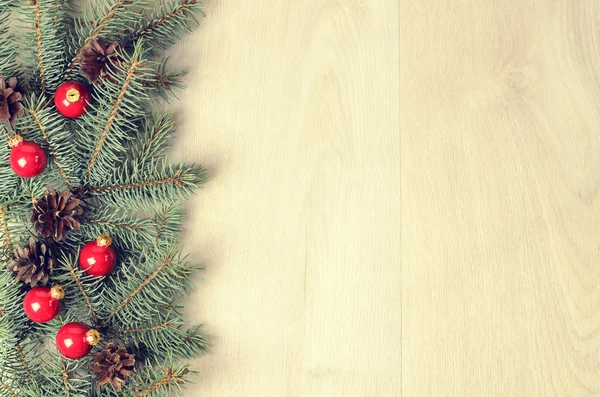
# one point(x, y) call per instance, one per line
point(92, 337)
point(15, 140)
point(73, 95)
point(57, 292)
point(104, 240)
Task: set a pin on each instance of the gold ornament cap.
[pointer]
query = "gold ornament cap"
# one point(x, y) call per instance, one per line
point(57, 292)
point(15, 140)
point(73, 95)
point(104, 240)
point(92, 337)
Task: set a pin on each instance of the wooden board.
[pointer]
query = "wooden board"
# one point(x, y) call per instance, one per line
point(500, 209)
point(294, 109)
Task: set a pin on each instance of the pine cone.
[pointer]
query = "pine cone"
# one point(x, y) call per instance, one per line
point(56, 213)
point(112, 365)
point(33, 264)
point(99, 61)
point(11, 96)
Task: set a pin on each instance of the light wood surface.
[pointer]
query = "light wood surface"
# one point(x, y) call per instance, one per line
point(403, 197)
point(293, 107)
point(500, 209)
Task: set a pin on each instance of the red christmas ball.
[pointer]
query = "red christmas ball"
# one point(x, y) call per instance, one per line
point(98, 258)
point(75, 340)
point(42, 304)
point(27, 159)
point(71, 99)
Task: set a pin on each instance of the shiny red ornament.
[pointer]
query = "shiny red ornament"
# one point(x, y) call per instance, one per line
point(42, 304)
point(75, 340)
point(98, 258)
point(27, 159)
point(71, 99)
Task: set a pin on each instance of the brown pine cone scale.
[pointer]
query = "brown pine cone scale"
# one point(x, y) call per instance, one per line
point(11, 97)
point(113, 365)
point(33, 264)
point(99, 60)
point(56, 213)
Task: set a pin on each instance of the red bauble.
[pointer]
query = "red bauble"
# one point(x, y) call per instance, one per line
point(98, 258)
point(27, 159)
point(75, 340)
point(42, 304)
point(71, 99)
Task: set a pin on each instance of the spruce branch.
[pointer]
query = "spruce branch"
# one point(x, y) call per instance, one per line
point(169, 219)
point(128, 232)
point(113, 114)
point(145, 281)
point(8, 45)
point(144, 188)
point(23, 362)
point(164, 84)
point(143, 329)
point(154, 142)
point(166, 336)
point(9, 390)
point(114, 121)
point(42, 120)
point(63, 377)
point(76, 277)
point(5, 229)
point(163, 382)
point(45, 29)
point(96, 27)
point(38, 36)
point(167, 24)
point(114, 159)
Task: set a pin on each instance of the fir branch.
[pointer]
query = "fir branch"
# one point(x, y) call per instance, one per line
point(5, 229)
point(38, 35)
point(8, 389)
point(96, 31)
point(154, 142)
point(146, 329)
point(175, 179)
point(8, 52)
point(113, 119)
point(169, 220)
point(113, 224)
point(185, 6)
point(167, 24)
point(65, 378)
point(171, 377)
point(113, 114)
point(45, 29)
point(34, 113)
point(128, 232)
point(146, 280)
point(148, 186)
point(43, 123)
point(24, 362)
point(162, 226)
point(79, 283)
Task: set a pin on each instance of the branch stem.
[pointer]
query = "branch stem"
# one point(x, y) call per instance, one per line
point(143, 285)
point(138, 330)
point(174, 179)
point(82, 289)
point(94, 33)
point(38, 43)
point(113, 114)
point(7, 238)
point(42, 128)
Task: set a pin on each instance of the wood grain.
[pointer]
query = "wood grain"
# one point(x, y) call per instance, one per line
point(500, 207)
point(294, 108)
